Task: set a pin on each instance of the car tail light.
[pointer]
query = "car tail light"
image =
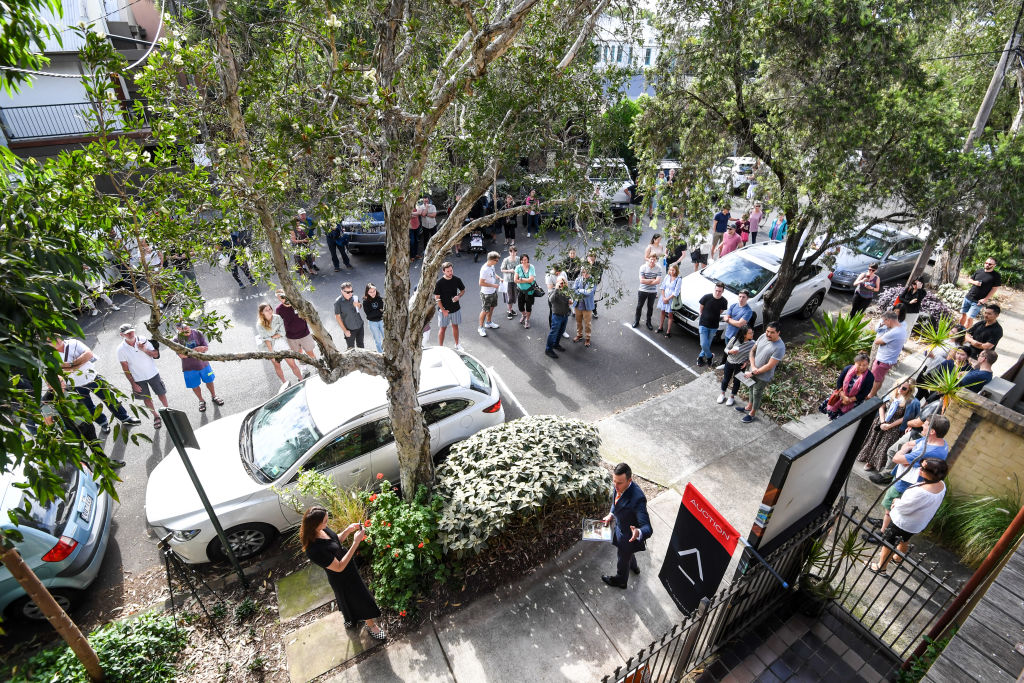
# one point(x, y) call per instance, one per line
point(493, 409)
point(65, 546)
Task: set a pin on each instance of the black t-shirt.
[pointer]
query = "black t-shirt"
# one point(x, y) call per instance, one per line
point(322, 552)
point(911, 300)
point(985, 335)
point(373, 307)
point(447, 289)
point(711, 314)
point(677, 252)
point(988, 281)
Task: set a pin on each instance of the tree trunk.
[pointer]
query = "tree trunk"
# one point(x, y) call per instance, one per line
point(954, 253)
point(57, 617)
point(779, 294)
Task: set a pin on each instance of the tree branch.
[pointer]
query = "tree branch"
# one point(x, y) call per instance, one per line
point(584, 36)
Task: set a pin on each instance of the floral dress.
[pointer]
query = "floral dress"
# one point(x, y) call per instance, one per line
point(873, 452)
point(669, 288)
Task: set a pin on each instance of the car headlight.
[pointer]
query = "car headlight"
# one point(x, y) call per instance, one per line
point(843, 274)
point(184, 535)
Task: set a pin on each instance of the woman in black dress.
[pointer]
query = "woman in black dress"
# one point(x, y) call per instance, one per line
point(323, 548)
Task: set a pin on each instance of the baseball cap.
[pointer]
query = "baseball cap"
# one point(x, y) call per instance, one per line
point(301, 211)
point(126, 328)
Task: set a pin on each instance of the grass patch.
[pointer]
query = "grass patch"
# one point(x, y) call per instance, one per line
point(971, 524)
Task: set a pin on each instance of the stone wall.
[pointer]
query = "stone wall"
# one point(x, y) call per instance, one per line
point(986, 446)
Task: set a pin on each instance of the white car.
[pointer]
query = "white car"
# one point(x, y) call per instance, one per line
point(341, 429)
point(610, 178)
point(731, 173)
point(753, 268)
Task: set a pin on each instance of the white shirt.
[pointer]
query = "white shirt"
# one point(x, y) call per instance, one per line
point(141, 365)
point(87, 371)
point(489, 274)
point(915, 508)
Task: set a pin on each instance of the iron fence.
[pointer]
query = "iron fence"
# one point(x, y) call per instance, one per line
point(75, 118)
point(734, 610)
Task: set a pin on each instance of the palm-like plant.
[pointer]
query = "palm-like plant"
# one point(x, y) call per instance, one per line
point(946, 383)
point(935, 335)
point(839, 337)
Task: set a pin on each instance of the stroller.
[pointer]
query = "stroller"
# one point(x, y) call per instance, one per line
point(476, 244)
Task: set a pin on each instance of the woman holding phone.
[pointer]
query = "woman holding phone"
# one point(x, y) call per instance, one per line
point(324, 548)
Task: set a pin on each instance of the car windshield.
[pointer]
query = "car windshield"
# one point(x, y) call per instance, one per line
point(52, 517)
point(745, 168)
point(280, 433)
point(478, 378)
point(607, 172)
point(872, 245)
point(738, 273)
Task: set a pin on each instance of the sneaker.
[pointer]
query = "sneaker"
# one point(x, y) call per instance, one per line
point(132, 421)
point(116, 307)
point(741, 409)
point(721, 399)
point(731, 401)
point(527, 234)
point(700, 360)
point(95, 311)
point(481, 331)
point(492, 326)
point(878, 478)
point(747, 419)
point(511, 314)
point(720, 367)
point(558, 347)
point(565, 334)
point(458, 347)
point(241, 286)
point(550, 353)
point(710, 361)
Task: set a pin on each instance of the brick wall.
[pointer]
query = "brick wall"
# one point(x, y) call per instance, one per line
point(986, 446)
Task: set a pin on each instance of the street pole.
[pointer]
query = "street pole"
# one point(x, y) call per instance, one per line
point(977, 127)
point(180, 431)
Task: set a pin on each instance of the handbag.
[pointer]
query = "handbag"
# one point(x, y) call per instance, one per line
point(536, 292)
point(224, 260)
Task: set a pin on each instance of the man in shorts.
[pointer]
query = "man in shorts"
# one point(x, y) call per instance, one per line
point(890, 338)
point(489, 281)
point(699, 255)
point(137, 358)
point(984, 285)
point(197, 372)
point(447, 293)
point(296, 331)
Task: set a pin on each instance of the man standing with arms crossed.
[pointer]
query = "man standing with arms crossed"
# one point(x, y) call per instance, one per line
point(346, 312)
point(650, 278)
point(489, 281)
point(136, 357)
point(447, 293)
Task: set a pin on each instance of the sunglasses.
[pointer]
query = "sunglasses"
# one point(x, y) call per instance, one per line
point(346, 291)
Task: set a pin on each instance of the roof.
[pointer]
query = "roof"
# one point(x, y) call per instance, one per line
point(334, 404)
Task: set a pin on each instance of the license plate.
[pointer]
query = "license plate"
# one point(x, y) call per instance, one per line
point(369, 230)
point(86, 512)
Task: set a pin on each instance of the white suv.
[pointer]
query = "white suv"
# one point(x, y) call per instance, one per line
point(341, 429)
point(753, 268)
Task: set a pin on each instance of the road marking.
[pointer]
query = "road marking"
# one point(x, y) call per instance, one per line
point(508, 392)
point(658, 346)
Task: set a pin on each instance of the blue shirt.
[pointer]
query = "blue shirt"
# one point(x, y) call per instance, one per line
point(975, 380)
point(721, 222)
point(914, 458)
point(584, 289)
point(736, 312)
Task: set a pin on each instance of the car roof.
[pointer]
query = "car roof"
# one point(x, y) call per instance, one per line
point(332, 405)
point(886, 230)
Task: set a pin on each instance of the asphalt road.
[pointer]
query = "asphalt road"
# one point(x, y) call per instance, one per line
point(623, 367)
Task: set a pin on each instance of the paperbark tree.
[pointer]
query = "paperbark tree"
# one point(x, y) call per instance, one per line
point(298, 107)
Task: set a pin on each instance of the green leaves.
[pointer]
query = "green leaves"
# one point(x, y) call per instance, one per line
point(839, 338)
point(509, 472)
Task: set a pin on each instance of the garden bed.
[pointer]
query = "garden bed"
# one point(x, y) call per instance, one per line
point(799, 386)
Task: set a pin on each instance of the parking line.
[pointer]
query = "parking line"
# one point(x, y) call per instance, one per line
point(508, 392)
point(658, 346)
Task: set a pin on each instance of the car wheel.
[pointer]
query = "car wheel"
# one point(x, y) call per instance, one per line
point(26, 608)
point(811, 306)
point(246, 540)
point(442, 455)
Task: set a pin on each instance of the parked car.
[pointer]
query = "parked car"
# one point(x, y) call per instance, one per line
point(732, 172)
point(754, 268)
point(895, 251)
point(366, 229)
point(63, 541)
point(341, 429)
point(610, 178)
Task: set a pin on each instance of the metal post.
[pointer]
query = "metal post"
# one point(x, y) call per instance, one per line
point(691, 640)
point(180, 431)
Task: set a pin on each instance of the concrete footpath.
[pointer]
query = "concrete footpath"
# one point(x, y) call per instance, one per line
point(562, 623)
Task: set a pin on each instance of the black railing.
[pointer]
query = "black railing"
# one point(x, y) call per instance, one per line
point(76, 118)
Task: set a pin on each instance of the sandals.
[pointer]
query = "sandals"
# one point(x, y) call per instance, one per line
point(526, 324)
point(157, 422)
point(587, 343)
point(875, 569)
point(217, 400)
point(577, 340)
point(202, 406)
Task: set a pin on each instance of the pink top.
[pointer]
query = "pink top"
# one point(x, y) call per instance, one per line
point(755, 220)
point(730, 243)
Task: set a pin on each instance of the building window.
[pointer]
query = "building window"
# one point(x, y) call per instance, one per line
point(618, 58)
point(647, 56)
point(606, 58)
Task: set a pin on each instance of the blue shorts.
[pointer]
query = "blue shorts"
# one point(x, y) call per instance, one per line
point(971, 308)
point(194, 377)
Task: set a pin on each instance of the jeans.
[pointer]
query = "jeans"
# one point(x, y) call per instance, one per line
point(335, 248)
point(706, 335)
point(753, 237)
point(859, 304)
point(557, 328)
point(377, 331)
point(99, 387)
point(235, 266)
point(642, 298)
point(532, 223)
point(355, 338)
point(412, 242)
point(732, 372)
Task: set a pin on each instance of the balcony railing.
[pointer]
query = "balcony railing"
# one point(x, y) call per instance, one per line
point(73, 119)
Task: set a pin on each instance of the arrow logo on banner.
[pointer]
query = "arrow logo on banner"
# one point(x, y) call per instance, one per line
point(700, 568)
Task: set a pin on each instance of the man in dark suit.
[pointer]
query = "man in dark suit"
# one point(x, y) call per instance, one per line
point(632, 524)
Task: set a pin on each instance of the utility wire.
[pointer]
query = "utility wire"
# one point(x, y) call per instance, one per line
point(131, 66)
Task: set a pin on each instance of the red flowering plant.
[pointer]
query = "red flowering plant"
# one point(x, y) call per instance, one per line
point(407, 558)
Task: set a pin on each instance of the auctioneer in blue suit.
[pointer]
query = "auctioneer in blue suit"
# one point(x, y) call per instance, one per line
point(632, 524)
